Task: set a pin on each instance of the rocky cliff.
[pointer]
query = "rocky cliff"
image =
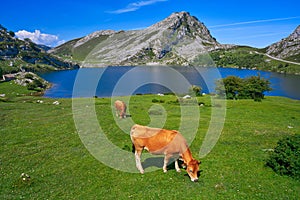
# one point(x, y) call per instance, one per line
point(287, 48)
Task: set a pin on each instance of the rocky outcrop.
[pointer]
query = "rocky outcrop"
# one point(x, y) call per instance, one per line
point(287, 47)
point(93, 35)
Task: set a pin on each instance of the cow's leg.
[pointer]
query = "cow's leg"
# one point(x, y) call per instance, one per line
point(137, 154)
point(124, 113)
point(177, 166)
point(166, 161)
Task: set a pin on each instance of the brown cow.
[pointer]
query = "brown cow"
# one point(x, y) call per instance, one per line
point(120, 109)
point(162, 141)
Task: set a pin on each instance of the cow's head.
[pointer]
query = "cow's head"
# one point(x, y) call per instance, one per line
point(192, 169)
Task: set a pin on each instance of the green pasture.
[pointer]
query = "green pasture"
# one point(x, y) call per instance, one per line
point(41, 139)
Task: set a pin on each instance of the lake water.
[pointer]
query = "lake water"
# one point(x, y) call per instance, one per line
point(123, 81)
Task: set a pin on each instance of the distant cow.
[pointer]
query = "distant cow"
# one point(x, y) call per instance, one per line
point(120, 107)
point(162, 141)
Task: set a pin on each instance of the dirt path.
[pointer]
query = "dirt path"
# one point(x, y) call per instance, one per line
point(282, 60)
point(286, 61)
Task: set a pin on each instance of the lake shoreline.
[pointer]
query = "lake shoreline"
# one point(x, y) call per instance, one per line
point(283, 84)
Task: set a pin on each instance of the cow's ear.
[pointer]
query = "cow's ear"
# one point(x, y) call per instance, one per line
point(199, 162)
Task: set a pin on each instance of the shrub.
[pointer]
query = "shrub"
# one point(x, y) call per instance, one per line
point(229, 86)
point(195, 90)
point(285, 160)
point(36, 84)
point(248, 88)
point(29, 76)
point(157, 101)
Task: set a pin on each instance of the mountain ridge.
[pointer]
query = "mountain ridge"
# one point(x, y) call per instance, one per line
point(176, 40)
point(18, 55)
point(180, 39)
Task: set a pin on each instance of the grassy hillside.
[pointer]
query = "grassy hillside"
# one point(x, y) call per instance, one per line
point(18, 55)
point(40, 139)
point(79, 53)
point(252, 58)
point(65, 50)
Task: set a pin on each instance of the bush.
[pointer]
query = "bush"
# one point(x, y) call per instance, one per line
point(195, 90)
point(36, 84)
point(29, 76)
point(285, 160)
point(157, 101)
point(234, 87)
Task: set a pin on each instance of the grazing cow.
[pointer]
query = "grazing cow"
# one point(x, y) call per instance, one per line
point(162, 141)
point(120, 109)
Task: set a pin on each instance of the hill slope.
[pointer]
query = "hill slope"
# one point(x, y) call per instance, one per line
point(17, 55)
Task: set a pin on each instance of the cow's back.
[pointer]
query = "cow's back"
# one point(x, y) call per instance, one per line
point(120, 105)
point(157, 140)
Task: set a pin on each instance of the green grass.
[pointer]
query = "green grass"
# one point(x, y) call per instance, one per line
point(41, 140)
point(246, 57)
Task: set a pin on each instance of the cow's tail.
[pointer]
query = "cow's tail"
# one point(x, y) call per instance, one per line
point(133, 148)
point(131, 136)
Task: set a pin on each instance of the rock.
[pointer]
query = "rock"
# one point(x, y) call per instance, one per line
point(287, 47)
point(187, 97)
point(55, 103)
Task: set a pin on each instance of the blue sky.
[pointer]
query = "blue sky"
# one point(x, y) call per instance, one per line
point(257, 23)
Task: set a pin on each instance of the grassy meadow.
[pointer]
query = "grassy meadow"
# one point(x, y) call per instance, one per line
point(40, 139)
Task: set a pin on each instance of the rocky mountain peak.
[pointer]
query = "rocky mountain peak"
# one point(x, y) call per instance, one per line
point(185, 24)
point(287, 47)
point(176, 40)
point(174, 20)
point(296, 34)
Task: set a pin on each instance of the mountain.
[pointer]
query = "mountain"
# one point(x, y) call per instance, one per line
point(17, 55)
point(288, 48)
point(177, 40)
point(180, 39)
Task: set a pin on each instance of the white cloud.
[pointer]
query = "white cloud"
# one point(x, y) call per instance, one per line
point(254, 22)
point(135, 6)
point(39, 38)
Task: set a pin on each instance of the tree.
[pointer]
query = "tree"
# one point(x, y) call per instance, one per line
point(234, 87)
point(255, 87)
point(229, 86)
point(196, 90)
point(11, 33)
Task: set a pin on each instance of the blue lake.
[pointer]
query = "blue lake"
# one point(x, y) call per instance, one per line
point(125, 80)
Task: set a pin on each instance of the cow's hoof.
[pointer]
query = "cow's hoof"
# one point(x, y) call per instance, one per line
point(178, 171)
